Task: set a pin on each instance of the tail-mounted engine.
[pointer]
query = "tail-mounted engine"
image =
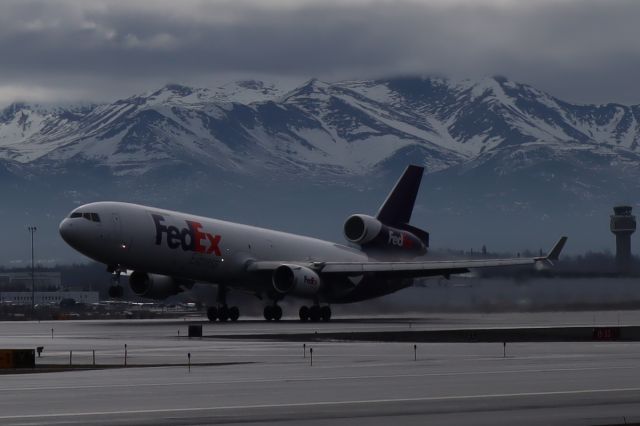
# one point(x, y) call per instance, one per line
point(373, 235)
point(153, 286)
point(296, 280)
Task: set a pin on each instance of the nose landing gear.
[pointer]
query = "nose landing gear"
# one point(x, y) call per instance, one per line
point(115, 290)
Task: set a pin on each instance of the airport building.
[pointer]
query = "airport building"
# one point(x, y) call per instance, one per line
point(21, 281)
point(47, 297)
point(15, 289)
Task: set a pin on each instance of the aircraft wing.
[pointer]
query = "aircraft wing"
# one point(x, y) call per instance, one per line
point(416, 268)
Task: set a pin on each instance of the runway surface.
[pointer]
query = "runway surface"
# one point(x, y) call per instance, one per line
point(272, 382)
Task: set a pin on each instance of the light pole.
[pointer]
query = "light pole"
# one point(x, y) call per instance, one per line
point(32, 230)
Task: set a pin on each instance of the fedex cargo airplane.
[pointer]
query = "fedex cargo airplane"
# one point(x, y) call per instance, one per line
point(164, 252)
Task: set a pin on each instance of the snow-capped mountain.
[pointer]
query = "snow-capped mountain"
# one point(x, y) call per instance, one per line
point(492, 145)
point(350, 127)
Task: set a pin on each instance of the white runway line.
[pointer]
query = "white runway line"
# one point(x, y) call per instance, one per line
point(322, 403)
point(315, 379)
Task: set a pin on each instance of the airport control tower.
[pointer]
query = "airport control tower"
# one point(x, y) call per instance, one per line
point(623, 224)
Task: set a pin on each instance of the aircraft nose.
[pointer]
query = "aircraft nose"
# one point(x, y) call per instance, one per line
point(68, 232)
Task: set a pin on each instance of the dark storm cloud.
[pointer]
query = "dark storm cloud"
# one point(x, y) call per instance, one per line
point(580, 50)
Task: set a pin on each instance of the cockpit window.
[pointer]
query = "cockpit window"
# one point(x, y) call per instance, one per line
point(93, 217)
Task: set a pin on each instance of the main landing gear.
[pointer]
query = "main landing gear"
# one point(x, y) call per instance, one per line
point(222, 312)
point(315, 313)
point(272, 312)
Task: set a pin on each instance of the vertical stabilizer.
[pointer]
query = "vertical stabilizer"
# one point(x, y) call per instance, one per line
point(397, 208)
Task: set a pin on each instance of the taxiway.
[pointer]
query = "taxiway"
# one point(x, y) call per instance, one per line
point(255, 381)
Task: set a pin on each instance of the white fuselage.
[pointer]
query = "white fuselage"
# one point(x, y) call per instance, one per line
point(197, 248)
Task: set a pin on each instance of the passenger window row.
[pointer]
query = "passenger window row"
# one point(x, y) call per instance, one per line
point(93, 217)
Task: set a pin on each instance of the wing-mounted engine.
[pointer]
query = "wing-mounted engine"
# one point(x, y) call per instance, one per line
point(374, 236)
point(296, 280)
point(154, 286)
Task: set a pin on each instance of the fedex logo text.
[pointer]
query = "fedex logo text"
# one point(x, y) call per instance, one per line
point(191, 238)
point(396, 238)
point(400, 239)
point(310, 281)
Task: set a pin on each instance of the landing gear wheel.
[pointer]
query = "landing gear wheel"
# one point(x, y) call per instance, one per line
point(272, 312)
point(314, 313)
point(234, 313)
point(223, 313)
point(116, 292)
point(304, 313)
point(325, 313)
point(268, 313)
point(277, 313)
point(212, 313)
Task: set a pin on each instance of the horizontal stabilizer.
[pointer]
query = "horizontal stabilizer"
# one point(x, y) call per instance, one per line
point(421, 234)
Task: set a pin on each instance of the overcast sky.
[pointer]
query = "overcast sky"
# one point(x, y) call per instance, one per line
point(582, 51)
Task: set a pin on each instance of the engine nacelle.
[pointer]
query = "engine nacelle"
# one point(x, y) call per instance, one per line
point(373, 235)
point(153, 286)
point(362, 229)
point(296, 280)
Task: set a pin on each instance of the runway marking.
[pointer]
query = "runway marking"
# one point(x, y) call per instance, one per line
point(311, 379)
point(322, 403)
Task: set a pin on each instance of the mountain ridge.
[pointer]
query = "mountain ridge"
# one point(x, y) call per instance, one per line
point(317, 124)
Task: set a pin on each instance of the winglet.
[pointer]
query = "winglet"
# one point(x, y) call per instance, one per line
point(554, 254)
